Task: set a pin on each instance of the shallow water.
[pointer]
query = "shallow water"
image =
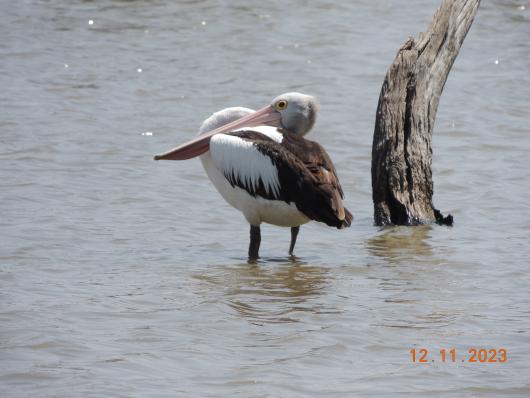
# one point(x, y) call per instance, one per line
point(121, 276)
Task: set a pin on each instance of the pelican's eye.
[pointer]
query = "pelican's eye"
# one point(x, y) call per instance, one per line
point(281, 105)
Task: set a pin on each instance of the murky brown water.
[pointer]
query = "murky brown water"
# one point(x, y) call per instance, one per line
point(120, 276)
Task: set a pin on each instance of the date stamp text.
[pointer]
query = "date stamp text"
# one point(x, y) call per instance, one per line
point(451, 355)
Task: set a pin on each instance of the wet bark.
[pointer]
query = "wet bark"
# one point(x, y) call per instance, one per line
point(402, 185)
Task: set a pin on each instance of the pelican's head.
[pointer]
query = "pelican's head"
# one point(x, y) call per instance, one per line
point(294, 112)
point(298, 112)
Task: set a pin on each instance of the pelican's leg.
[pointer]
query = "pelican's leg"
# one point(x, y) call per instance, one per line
point(255, 240)
point(294, 234)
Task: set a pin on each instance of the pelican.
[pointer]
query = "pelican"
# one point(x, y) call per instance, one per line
point(262, 165)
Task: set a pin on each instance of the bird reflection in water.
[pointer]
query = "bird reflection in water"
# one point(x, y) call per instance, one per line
point(272, 291)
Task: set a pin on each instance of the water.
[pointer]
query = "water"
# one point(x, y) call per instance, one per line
point(121, 276)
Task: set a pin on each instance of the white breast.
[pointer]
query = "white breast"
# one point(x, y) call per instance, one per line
point(255, 209)
point(229, 154)
point(241, 158)
point(234, 156)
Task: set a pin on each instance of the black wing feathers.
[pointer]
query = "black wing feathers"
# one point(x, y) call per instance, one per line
point(306, 174)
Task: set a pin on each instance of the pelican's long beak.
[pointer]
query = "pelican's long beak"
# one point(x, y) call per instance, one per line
point(265, 116)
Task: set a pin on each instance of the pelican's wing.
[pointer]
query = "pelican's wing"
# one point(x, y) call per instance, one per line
point(315, 158)
point(264, 167)
point(240, 158)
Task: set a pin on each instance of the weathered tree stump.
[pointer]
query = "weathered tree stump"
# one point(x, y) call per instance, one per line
point(402, 185)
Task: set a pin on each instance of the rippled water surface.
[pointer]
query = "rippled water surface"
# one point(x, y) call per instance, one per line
point(121, 276)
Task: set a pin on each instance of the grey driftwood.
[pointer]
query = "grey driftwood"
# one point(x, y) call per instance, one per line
point(402, 185)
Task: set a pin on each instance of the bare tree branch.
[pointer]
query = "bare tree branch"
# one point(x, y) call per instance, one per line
point(402, 186)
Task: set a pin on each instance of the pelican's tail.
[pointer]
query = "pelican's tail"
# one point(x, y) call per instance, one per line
point(348, 218)
point(330, 209)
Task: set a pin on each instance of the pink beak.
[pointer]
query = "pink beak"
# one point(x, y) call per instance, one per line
point(265, 116)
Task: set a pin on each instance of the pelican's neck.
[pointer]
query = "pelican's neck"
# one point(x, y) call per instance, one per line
point(223, 117)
